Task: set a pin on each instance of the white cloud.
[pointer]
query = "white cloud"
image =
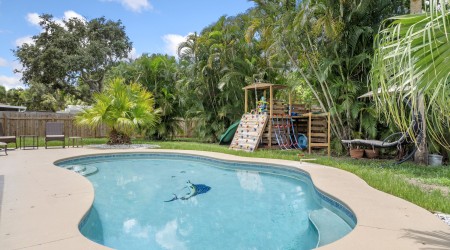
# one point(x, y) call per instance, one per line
point(137, 5)
point(26, 39)
point(3, 62)
point(172, 42)
point(10, 82)
point(68, 15)
point(17, 66)
point(134, 5)
point(133, 54)
point(33, 19)
point(72, 14)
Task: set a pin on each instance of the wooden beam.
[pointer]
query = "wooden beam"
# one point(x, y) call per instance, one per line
point(290, 103)
point(329, 135)
point(270, 115)
point(309, 132)
point(246, 101)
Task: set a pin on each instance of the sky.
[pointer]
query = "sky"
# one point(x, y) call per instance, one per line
point(153, 26)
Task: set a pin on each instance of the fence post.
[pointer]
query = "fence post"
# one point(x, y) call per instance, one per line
point(4, 123)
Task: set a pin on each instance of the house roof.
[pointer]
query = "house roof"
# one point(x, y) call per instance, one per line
point(6, 107)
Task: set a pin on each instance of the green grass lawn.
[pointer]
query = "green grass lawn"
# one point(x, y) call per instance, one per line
point(425, 186)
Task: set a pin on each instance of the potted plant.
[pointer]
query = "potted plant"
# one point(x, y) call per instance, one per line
point(434, 157)
point(356, 153)
point(372, 153)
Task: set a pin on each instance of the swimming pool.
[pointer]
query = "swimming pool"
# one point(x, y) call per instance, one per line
point(144, 201)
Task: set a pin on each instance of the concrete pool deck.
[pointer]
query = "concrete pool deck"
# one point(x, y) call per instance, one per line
point(41, 205)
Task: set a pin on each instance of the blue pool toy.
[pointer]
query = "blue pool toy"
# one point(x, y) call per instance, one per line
point(302, 141)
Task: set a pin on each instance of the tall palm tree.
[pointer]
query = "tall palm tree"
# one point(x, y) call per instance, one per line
point(124, 108)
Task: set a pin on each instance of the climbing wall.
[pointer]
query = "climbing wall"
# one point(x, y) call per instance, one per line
point(249, 132)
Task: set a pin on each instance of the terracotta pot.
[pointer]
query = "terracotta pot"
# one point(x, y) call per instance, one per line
point(356, 153)
point(372, 153)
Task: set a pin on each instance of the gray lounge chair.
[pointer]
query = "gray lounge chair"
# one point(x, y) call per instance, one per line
point(402, 141)
point(7, 139)
point(54, 131)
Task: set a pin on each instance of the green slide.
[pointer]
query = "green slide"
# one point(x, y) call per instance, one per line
point(228, 135)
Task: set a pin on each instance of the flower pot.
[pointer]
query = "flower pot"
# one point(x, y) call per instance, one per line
point(372, 153)
point(434, 160)
point(356, 153)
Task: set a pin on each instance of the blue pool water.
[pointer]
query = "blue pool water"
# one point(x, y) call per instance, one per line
point(232, 206)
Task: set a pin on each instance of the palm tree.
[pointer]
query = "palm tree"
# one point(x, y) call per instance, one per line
point(415, 6)
point(412, 57)
point(123, 108)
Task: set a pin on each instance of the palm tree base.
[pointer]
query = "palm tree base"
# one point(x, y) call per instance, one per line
point(116, 137)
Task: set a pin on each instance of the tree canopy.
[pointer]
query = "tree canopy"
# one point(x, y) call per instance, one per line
point(69, 54)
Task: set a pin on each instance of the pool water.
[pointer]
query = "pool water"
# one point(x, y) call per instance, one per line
point(234, 207)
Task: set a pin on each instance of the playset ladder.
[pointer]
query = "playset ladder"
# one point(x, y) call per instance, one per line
point(249, 132)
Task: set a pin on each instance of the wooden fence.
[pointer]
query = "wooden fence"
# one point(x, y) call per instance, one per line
point(33, 123)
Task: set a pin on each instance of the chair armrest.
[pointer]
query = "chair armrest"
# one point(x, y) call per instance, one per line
point(394, 134)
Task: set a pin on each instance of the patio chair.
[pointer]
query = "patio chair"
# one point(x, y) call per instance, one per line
point(54, 131)
point(7, 139)
point(401, 142)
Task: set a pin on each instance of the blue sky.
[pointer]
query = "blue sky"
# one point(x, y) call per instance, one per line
point(154, 26)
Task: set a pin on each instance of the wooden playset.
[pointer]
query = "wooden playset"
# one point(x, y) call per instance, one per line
point(277, 124)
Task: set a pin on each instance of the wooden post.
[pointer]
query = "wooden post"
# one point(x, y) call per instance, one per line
point(270, 115)
point(329, 135)
point(309, 132)
point(4, 124)
point(246, 101)
point(290, 104)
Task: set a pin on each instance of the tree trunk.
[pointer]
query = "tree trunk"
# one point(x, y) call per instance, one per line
point(116, 137)
point(421, 155)
point(415, 6)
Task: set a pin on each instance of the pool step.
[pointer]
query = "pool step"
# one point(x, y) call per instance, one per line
point(82, 170)
point(322, 219)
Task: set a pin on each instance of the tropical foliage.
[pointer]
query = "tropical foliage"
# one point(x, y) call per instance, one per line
point(125, 108)
point(321, 49)
point(214, 66)
point(158, 74)
point(3, 94)
point(411, 63)
point(329, 45)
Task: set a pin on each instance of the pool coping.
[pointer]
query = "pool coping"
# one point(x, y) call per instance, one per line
point(51, 201)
